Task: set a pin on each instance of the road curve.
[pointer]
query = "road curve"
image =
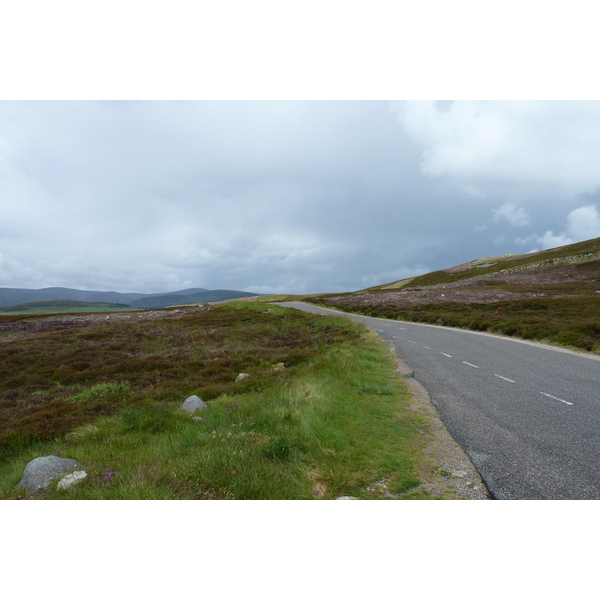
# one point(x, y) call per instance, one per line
point(526, 414)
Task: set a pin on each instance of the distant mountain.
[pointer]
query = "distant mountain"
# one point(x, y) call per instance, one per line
point(14, 296)
point(187, 292)
point(176, 298)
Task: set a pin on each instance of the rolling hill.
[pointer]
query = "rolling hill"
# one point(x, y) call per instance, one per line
point(552, 295)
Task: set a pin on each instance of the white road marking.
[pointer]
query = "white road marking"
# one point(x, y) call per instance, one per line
point(448, 355)
point(505, 378)
point(555, 398)
point(427, 347)
point(466, 363)
point(411, 341)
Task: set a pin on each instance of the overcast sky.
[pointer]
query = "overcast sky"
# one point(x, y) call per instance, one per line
point(286, 196)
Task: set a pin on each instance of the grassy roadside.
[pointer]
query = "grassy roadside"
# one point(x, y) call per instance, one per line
point(568, 322)
point(334, 421)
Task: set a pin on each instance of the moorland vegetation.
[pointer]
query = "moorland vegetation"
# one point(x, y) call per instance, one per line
point(322, 414)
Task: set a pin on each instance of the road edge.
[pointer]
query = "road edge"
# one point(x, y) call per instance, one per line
point(448, 472)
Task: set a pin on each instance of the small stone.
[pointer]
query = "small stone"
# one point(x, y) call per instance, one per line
point(459, 473)
point(193, 404)
point(71, 479)
point(279, 367)
point(242, 376)
point(200, 419)
point(347, 498)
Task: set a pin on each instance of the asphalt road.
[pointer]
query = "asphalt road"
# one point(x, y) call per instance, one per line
point(526, 414)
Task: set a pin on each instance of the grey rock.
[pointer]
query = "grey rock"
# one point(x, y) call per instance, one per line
point(347, 498)
point(42, 470)
point(242, 376)
point(459, 473)
point(71, 479)
point(193, 404)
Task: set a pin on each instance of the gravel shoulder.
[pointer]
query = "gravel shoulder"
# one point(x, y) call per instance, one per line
point(448, 472)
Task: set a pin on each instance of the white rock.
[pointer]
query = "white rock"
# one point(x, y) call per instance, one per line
point(71, 479)
point(347, 498)
point(459, 473)
point(193, 404)
point(241, 376)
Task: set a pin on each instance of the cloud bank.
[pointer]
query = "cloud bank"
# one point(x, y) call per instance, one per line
point(294, 197)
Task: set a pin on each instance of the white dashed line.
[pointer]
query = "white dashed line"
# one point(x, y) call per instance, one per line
point(426, 347)
point(466, 363)
point(411, 341)
point(505, 378)
point(555, 398)
point(448, 355)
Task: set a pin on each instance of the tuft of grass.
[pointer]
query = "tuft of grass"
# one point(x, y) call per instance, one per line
point(102, 390)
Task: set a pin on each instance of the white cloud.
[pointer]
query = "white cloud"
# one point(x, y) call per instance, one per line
point(583, 223)
point(515, 215)
point(525, 148)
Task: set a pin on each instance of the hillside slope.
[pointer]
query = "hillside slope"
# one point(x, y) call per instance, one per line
point(552, 295)
point(566, 271)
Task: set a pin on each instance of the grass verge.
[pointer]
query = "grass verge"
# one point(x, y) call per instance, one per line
point(333, 421)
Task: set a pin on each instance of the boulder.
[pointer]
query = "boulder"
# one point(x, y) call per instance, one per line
point(71, 479)
point(241, 376)
point(193, 404)
point(42, 470)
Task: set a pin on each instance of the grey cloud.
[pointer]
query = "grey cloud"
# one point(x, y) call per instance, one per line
point(263, 196)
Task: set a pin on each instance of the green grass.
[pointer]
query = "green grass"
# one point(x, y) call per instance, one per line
point(102, 390)
point(331, 423)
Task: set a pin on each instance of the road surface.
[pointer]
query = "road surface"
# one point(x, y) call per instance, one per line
point(526, 414)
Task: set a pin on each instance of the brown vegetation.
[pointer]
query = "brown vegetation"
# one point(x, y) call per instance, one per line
point(159, 356)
